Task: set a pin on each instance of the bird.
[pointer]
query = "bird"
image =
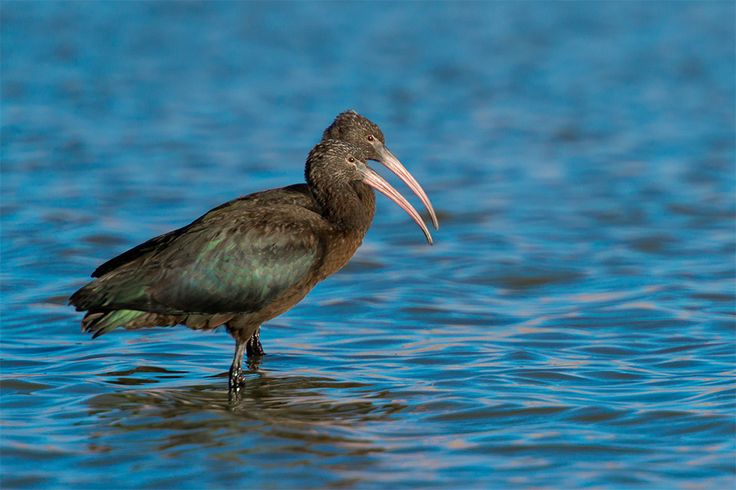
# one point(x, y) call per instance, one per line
point(253, 258)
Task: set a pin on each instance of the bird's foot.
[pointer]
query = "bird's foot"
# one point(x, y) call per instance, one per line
point(253, 347)
point(254, 363)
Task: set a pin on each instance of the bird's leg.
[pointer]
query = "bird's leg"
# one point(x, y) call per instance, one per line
point(254, 347)
point(236, 369)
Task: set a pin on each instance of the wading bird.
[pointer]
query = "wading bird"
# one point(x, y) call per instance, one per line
point(253, 258)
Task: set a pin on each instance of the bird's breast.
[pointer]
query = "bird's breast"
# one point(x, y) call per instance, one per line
point(339, 251)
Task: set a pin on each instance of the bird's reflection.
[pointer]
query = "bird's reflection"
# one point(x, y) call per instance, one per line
point(315, 411)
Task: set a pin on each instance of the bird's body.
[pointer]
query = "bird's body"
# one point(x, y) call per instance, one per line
point(246, 261)
point(241, 264)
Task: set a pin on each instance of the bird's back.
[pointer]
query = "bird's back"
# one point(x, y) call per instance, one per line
point(296, 195)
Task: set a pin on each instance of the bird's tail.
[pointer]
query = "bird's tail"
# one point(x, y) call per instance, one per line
point(99, 322)
point(102, 318)
point(95, 298)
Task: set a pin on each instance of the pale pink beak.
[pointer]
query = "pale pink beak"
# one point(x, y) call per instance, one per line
point(374, 180)
point(393, 164)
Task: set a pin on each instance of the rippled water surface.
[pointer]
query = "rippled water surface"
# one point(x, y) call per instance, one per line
point(572, 327)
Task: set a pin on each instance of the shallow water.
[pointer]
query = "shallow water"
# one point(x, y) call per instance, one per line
point(572, 327)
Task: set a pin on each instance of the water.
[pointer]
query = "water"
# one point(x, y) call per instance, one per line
point(573, 326)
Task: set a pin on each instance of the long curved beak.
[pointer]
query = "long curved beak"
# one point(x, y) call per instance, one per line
point(374, 180)
point(393, 164)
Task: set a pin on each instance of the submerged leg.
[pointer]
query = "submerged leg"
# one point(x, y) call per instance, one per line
point(254, 347)
point(236, 369)
point(241, 330)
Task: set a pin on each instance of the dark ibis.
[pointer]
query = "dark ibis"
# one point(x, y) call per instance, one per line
point(255, 257)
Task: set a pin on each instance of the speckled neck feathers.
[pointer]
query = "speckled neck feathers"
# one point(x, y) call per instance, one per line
point(344, 200)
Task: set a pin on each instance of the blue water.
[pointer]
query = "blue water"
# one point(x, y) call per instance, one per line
point(573, 326)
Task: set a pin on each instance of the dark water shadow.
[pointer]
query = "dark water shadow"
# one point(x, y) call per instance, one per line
point(300, 414)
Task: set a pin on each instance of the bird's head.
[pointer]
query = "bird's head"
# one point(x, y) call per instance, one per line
point(360, 131)
point(333, 163)
point(351, 127)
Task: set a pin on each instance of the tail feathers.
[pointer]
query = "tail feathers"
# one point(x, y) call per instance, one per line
point(81, 299)
point(101, 294)
point(100, 322)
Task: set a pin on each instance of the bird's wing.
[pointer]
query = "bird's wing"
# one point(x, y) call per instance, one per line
point(297, 195)
point(247, 263)
point(236, 258)
point(138, 251)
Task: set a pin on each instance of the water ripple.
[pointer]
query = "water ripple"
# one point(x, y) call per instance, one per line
point(572, 327)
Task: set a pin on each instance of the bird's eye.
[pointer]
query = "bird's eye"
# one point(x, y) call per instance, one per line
point(351, 159)
point(370, 137)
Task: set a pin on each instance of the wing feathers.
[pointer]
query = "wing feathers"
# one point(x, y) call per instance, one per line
point(236, 258)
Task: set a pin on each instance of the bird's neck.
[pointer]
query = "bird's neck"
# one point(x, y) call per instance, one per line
point(349, 207)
